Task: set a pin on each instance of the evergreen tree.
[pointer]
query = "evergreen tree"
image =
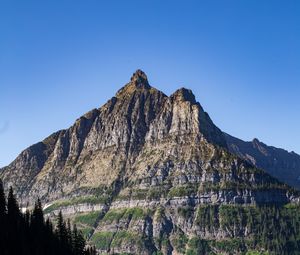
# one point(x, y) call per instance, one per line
point(2, 201)
point(13, 223)
point(69, 234)
point(37, 226)
point(13, 210)
point(78, 242)
point(37, 217)
point(27, 218)
point(3, 211)
point(61, 229)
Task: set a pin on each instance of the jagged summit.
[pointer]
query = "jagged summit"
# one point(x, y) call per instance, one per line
point(184, 94)
point(138, 82)
point(255, 140)
point(140, 78)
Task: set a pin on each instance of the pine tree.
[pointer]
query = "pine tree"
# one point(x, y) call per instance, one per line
point(37, 214)
point(37, 226)
point(61, 227)
point(13, 210)
point(3, 211)
point(2, 201)
point(74, 239)
point(69, 234)
point(62, 234)
point(13, 222)
point(78, 242)
point(27, 218)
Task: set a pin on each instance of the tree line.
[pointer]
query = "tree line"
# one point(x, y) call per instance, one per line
point(30, 233)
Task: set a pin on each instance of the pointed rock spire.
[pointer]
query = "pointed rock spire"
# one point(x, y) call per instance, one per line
point(139, 78)
point(184, 94)
point(138, 81)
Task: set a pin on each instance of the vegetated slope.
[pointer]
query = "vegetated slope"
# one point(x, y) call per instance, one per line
point(137, 172)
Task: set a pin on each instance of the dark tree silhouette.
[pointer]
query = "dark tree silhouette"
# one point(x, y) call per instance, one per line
point(30, 234)
point(2, 216)
point(2, 201)
point(78, 242)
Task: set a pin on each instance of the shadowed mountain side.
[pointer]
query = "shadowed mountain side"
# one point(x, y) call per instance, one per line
point(279, 163)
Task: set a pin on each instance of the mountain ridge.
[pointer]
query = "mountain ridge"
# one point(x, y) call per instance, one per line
point(139, 98)
point(278, 162)
point(143, 167)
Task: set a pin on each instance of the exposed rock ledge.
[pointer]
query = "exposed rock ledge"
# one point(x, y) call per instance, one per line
point(78, 208)
point(230, 197)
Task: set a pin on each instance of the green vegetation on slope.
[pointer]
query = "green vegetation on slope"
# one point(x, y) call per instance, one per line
point(134, 213)
point(102, 240)
point(247, 230)
point(88, 219)
point(270, 228)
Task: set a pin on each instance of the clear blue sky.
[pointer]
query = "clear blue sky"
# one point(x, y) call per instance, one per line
point(59, 59)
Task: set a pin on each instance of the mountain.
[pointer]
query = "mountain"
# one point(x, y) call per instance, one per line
point(151, 174)
point(279, 163)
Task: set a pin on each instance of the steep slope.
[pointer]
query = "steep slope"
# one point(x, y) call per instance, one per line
point(279, 163)
point(29, 164)
point(146, 171)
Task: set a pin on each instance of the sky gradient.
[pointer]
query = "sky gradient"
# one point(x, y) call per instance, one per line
point(60, 59)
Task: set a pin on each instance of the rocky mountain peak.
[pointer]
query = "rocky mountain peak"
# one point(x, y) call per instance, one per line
point(139, 78)
point(255, 141)
point(184, 94)
point(138, 82)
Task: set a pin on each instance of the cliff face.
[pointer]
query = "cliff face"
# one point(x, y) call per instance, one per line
point(136, 173)
point(279, 163)
point(22, 171)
